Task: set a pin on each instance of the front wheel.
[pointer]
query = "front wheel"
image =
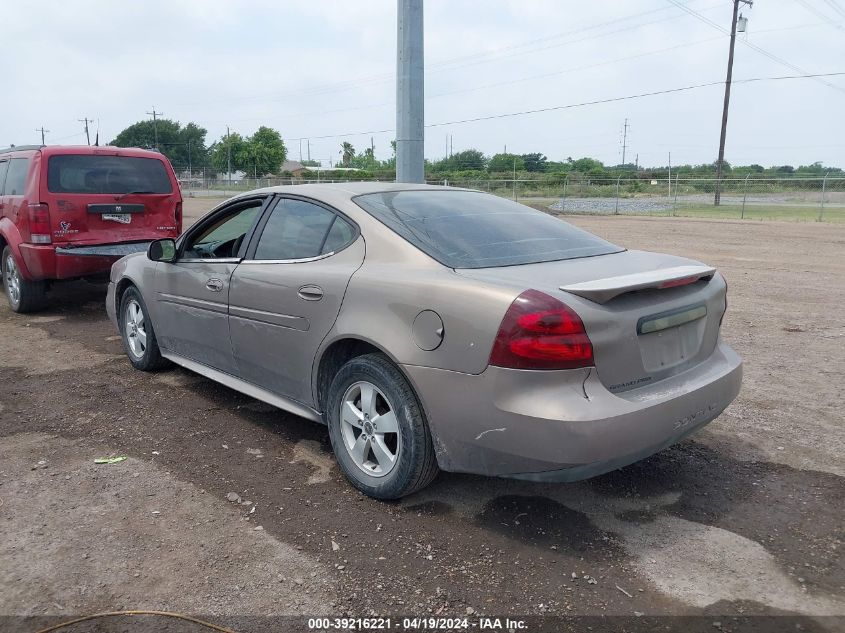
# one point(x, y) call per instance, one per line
point(378, 429)
point(23, 295)
point(136, 331)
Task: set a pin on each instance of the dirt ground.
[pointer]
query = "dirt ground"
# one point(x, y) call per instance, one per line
point(745, 518)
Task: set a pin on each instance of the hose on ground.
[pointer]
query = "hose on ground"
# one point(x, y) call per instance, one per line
point(113, 614)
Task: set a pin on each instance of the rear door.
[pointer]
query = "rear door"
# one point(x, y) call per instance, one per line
point(286, 294)
point(107, 197)
point(192, 293)
point(4, 166)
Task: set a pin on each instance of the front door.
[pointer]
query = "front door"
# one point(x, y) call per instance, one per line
point(286, 294)
point(192, 293)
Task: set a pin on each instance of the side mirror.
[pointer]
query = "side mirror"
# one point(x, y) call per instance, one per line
point(163, 250)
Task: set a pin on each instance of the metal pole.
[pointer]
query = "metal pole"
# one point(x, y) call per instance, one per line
point(675, 203)
point(410, 92)
point(514, 179)
point(670, 175)
point(616, 210)
point(821, 204)
point(726, 105)
point(563, 201)
point(744, 196)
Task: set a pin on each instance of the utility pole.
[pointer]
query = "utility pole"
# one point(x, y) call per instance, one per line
point(43, 131)
point(155, 116)
point(86, 121)
point(190, 170)
point(720, 161)
point(308, 144)
point(624, 140)
point(410, 92)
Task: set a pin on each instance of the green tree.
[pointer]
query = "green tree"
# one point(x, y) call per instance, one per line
point(232, 146)
point(262, 153)
point(174, 140)
point(505, 163)
point(535, 162)
point(257, 155)
point(347, 152)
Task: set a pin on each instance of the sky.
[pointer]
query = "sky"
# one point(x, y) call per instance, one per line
point(324, 70)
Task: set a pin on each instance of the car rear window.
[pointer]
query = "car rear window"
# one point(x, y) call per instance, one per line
point(75, 173)
point(468, 229)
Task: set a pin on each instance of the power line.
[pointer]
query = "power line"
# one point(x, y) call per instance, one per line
point(463, 61)
point(580, 105)
point(835, 6)
point(771, 56)
point(819, 14)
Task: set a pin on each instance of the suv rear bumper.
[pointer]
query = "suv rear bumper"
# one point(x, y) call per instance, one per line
point(565, 425)
point(55, 262)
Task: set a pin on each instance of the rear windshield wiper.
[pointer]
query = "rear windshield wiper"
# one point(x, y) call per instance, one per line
point(132, 193)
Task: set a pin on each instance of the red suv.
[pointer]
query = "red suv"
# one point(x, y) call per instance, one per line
point(70, 212)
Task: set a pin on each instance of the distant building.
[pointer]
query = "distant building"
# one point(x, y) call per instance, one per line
point(293, 167)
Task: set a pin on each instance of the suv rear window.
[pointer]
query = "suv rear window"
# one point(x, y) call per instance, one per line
point(106, 174)
point(468, 229)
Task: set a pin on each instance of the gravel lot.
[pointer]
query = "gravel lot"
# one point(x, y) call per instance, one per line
point(743, 519)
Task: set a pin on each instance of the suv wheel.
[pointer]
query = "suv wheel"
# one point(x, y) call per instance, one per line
point(23, 295)
point(136, 331)
point(378, 429)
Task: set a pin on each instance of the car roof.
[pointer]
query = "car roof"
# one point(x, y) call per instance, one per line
point(90, 150)
point(347, 189)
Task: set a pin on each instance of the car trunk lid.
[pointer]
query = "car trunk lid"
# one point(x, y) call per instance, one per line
point(108, 197)
point(657, 318)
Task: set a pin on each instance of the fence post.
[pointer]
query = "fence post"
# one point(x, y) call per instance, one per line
point(616, 209)
point(744, 196)
point(675, 203)
point(563, 200)
point(821, 204)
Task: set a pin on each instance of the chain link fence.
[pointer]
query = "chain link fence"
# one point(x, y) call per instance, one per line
point(795, 199)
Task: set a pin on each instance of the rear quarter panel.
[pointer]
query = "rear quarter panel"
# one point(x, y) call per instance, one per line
point(384, 298)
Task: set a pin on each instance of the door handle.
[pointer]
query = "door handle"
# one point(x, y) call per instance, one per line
point(311, 293)
point(215, 285)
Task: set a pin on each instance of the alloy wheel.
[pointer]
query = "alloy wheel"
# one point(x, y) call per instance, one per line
point(370, 429)
point(12, 278)
point(136, 334)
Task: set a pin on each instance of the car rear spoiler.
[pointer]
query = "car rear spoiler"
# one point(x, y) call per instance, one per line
point(104, 250)
point(603, 290)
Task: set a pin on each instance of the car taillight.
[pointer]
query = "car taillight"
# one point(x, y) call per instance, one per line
point(39, 223)
point(178, 216)
point(540, 332)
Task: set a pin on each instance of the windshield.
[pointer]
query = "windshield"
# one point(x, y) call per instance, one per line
point(468, 229)
point(107, 174)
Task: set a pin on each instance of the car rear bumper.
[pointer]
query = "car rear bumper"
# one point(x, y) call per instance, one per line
point(565, 425)
point(56, 262)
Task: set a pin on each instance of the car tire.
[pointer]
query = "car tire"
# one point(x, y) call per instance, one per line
point(24, 296)
point(137, 333)
point(367, 391)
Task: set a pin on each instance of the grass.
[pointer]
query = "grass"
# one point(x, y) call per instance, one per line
point(778, 212)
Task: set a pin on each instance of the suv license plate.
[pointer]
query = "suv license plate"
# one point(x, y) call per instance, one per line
point(123, 218)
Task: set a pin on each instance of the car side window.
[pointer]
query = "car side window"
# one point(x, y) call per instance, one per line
point(222, 238)
point(4, 165)
point(16, 177)
point(297, 229)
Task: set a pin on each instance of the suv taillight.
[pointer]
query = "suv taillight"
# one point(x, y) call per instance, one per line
point(540, 332)
point(178, 217)
point(39, 223)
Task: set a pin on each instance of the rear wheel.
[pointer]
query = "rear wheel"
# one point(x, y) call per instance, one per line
point(378, 429)
point(136, 330)
point(23, 295)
